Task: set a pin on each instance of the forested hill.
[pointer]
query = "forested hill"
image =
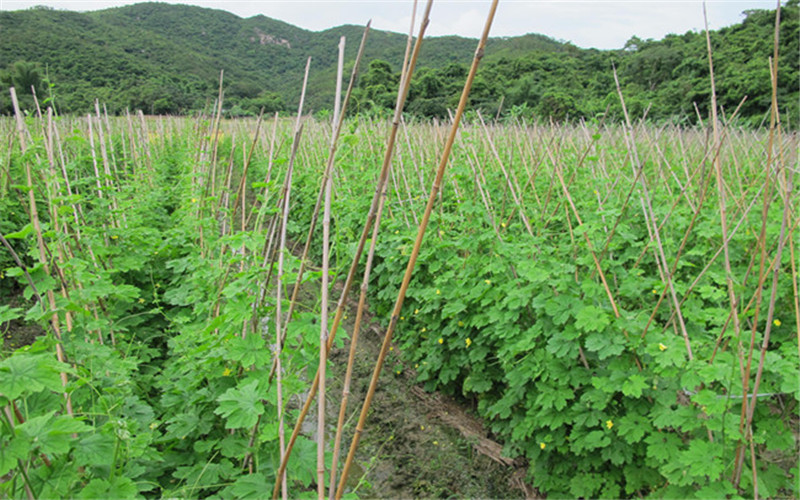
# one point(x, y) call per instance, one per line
point(165, 58)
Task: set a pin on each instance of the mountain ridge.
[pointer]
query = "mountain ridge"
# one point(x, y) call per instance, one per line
point(166, 58)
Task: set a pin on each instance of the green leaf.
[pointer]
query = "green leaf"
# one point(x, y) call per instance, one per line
point(94, 449)
point(117, 487)
point(26, 374)
point(605, 344)
point(52, 435)
point(633, 427)
point(10, 452)
point(250, 486)
point(249, 351)
point(22, 233)
point(241, 406)
point(8, 313)
point(634, 385)
point(477, 382)
point(592, 319)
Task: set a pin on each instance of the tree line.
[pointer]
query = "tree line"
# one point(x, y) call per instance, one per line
point(530, 77)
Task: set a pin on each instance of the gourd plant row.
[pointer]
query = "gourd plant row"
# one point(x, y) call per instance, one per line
point(606, 297)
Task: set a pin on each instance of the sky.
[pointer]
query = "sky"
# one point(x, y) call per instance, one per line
point(602, 24)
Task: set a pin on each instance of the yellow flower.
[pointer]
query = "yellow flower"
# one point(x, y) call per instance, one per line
point(468, 342)
point(397, 232)
point(141, 301)
point(503, 224)
point(153, 426)
point(460, 323)
point(194, 200)
point(226, 372)
point(609, 424)
point(655, 292)
point(777, 322)
point(422, 427)
point(424, 329)
point(114, 237)
point(595, 191)
point(436, 443)
point(416, 311)
point(542, 445)
point(391, 348)
point(402, 318)
point(488, 282)
point(441, 340)
point(661, 347)
point(438, 292)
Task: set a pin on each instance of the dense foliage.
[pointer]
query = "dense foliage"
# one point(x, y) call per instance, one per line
point(166, 393)
point(165, 59)
point(157, 280)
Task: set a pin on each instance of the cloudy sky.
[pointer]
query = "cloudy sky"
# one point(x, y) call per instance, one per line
point(601, 24)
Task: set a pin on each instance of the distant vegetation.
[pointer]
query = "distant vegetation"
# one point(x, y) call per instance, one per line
point(165, 59)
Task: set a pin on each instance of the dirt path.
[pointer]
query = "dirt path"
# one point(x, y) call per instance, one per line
point(415, 444)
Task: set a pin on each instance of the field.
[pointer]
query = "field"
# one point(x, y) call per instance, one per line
point(601, 296)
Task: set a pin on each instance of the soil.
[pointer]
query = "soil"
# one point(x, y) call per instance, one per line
point(415, 444)
point(18, 333)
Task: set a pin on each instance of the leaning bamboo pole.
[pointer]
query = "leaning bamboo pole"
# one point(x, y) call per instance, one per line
point(281, 252)
point(382, 178)
point(415, 252)
point(326, 175)
point(748, 409)
point(326, 264)
point(650, 218)
point(363, 297)
point(724, 223)
point(34, 214)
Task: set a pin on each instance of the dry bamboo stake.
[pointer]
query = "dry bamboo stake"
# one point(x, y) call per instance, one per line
point(268, 176)
point(146, 146)
point(382, 178)
point(215, 132)
point(415, 252)
point(281, 252)
point(361, 305)
point(34, 213)
point(765, 343)
point(339, 120)
point(517, 199)
point(326, 263)
point(362, 300)
point(724, 222)
point(650, 215)
point(240, 192)
point(774, 127)
point(702, 192)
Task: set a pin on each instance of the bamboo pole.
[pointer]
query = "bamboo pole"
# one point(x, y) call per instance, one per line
point(326, 263)
point(281, 252)
point(724, 223)
point(382, 178)
point(362, 304)
point(649, 214)
point(326, 175)
point(749, 408)
point(34, 214)
point(415, 252)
